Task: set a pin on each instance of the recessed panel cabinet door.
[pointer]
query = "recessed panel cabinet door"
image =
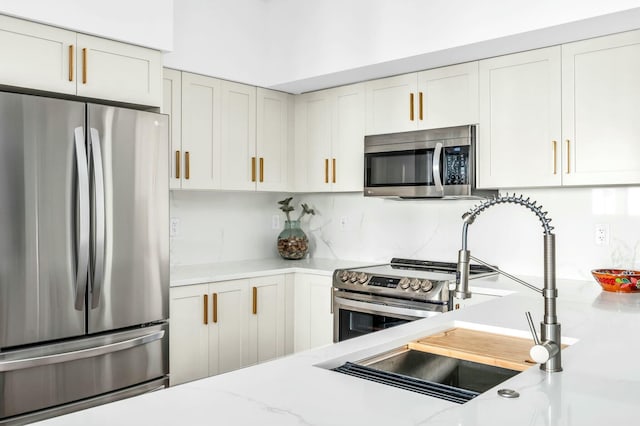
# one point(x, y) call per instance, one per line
point(601, 110)
point(121, 72)
point(171, 104)
point(313, 319)
point(37, 56)
point(347, 148)
point(267, 320)
point(520, 125)
point(273, 121)
point(392, 104)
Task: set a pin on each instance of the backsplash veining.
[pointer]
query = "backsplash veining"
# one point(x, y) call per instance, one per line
point(231, 226)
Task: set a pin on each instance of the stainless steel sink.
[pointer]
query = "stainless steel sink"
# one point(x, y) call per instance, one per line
point(440, 376)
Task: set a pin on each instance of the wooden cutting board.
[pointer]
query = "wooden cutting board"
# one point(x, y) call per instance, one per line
point(479, 346)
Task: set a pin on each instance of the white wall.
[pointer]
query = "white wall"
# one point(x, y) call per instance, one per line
point(227, 226)
point(146, 23)
point(302, 45)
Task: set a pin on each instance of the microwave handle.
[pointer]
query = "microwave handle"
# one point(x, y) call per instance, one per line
point(437, 181)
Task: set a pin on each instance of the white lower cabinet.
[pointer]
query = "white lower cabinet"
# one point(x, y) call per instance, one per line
point(313, 316)
point(223, 326)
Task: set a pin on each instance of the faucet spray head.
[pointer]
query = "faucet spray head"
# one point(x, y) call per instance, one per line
point(462, 275)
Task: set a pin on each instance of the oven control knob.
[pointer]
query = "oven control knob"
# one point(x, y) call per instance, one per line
point(404, 283)
point(426, 285)
point(362, 278)
point(353, 276)
point(344, 276)
point(415, 284)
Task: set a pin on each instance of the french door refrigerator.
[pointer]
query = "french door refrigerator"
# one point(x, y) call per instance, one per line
point(84, 271)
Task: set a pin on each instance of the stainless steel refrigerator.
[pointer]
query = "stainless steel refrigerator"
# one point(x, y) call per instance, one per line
point(84, 248)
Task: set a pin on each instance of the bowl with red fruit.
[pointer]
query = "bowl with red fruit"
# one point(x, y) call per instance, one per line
point(618, 280)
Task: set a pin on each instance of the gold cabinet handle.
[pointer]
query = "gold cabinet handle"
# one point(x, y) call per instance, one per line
point(253, 169)
point(71, 62)
point(411, 106)
point(206, 310)
point(187, 169)
point(84, 65)
point(333, 170)
point(178, 164)
point(215, 307)
point(261, 169)
point(568, 156)
point(255, 301)
point(326, 170)
point(555, 157)
point(420, 115)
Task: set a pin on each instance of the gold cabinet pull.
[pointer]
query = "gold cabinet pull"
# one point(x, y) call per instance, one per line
point(206, 309)
point(555, 157)
point(261, 169)
point(187, 169)
point(84, 65)
point(178, 164)
point(255, 301)
point(71, 62)
point(253, 169)
point(568, 156)
point(215, 307)
point(326, 170)
point(333, 170)
point(411, 106)
point(420, 115)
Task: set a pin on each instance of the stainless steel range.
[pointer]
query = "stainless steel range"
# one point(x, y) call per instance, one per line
point(377, 297)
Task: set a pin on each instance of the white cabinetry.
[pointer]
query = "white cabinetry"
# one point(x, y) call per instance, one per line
point(223, 326)
point(440, 97)
point(46, 58)
point(313, 315)
point(601, 110)
point(519, 134)
point(329, 139)
point(172, 105)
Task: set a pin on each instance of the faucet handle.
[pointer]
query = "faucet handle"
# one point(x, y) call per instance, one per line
point(532, 328)
point(541, 352)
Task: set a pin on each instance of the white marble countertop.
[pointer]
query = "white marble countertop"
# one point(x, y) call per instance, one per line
point(599, 385)
point(224, 271)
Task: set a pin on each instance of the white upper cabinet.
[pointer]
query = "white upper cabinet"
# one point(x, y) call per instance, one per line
point(329, 140)
point(601, 110)
point(55, 60)
point(519, 133)
point(37, 56)
point(238, 136)
point(440, 97)
point(274, 123)
point(172, 105)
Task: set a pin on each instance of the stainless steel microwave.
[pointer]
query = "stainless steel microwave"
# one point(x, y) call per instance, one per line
point(435, 163)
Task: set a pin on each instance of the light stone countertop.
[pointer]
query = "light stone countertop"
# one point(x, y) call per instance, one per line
point(599, 385)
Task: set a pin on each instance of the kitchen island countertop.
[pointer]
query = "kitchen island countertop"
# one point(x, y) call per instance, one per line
point(599, 385)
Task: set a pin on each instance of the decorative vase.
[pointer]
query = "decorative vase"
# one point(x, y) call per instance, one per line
point(292, 241)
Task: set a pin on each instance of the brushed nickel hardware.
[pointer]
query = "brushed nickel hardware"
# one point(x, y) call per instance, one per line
point(420, 96)
point(333, 171)
point(187, 168)
point(84, 65)
point(205, 318)
point(71, 62)
point(555, 157)
point(261, 169)
point(568, 156)
point(253, 169)
point(215, 307)
point(255, 301)
point(326, 170)
point(178, 164)
point(411, 106)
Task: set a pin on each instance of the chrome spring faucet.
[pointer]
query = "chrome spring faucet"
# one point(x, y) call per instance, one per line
point(547, 349)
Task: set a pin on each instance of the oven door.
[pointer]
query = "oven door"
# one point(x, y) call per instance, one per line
point(357, 314)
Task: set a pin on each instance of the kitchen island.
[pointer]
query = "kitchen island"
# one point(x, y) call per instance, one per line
point(599, 385)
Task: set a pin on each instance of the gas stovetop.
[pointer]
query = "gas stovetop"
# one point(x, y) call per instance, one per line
point(405, 278)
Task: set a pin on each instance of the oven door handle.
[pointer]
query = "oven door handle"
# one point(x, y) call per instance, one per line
point(383, 309)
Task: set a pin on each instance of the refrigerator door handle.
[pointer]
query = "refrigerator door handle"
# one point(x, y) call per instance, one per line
point(20, 364)
point(82, 219)
point(99, 218)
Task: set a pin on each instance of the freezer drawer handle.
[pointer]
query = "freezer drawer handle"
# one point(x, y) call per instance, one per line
point(82, 219)
point(80, 354)
point(99, 218)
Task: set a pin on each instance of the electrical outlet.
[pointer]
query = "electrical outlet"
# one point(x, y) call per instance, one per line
point(601, 234)
point(174, 227)
point(275, 222)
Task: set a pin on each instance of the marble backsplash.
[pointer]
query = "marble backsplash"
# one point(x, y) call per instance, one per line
point(232, 226)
